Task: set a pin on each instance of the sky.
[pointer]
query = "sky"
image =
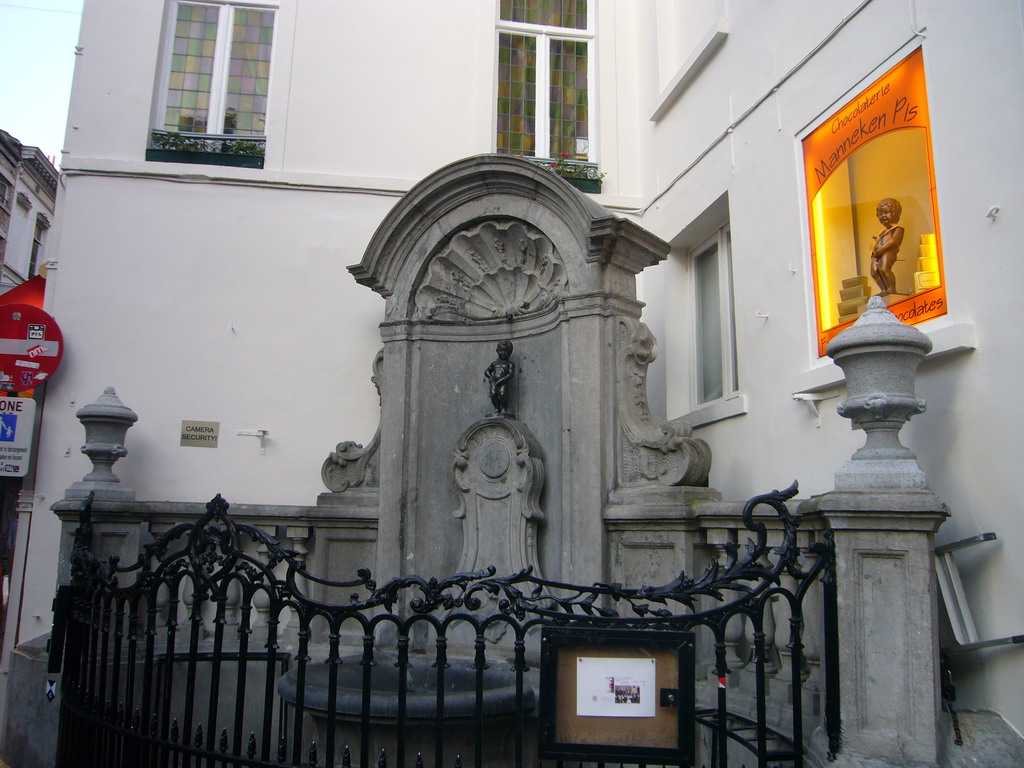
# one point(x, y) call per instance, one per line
point(37, 60)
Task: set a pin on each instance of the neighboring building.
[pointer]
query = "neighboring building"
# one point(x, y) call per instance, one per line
point(10, 159)
point(225, 162)
point(28, 198)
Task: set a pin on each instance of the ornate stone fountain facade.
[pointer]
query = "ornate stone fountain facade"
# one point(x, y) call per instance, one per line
point(489, 249)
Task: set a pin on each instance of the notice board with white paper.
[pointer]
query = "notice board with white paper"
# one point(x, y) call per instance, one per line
point(617, 695)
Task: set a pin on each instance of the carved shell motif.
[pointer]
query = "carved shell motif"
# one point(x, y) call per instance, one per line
point(489, 271)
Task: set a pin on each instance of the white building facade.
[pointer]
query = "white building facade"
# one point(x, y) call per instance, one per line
point(28, 194)
point(224, 163)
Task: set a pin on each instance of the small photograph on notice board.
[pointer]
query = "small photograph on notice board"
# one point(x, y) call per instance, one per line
point(615, 687)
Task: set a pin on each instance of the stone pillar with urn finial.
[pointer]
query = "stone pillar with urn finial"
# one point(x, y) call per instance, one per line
point(116, 514)
point(106, 423)
point(884, 518)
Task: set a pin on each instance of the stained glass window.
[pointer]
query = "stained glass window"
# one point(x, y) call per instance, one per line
point(517, 93)
point(192, 57)
point(568, 100)
point(245, 109)
point(571, 14)
point(219, 72)
point(557, 58)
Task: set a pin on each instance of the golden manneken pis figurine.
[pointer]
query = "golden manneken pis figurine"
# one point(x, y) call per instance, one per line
point(887, 245)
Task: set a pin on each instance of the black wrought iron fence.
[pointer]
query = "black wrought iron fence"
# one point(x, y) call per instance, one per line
point(218, 648)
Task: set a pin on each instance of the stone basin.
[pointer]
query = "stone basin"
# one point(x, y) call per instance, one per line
point(499, 682)
point(499, 708)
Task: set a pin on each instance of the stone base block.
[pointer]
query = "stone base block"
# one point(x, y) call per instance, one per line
point(353, 500)
point(30, 739)
point(881, 475)
point(987, 741)
point(888, 636)
point(105, 491)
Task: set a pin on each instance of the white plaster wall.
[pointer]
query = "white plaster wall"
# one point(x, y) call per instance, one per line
point(393, 89)
point(112, 89)
point(968, 440)
point(233, 306)
point(617, 100)
point(250, 320)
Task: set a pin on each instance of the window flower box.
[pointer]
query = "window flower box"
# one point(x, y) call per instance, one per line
point(206, 149)
point(592, 186)
point(581, 174)
point(204, 158)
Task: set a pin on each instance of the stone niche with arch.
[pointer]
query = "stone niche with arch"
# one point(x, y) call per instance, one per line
point(491, 248)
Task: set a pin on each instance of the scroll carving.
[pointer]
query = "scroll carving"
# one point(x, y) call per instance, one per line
point(489, 271)
point(667, 453)
point(350, 465)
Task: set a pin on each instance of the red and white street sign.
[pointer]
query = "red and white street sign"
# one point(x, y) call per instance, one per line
point(31, 347)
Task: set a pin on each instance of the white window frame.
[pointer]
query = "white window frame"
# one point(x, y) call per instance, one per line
point(544, 34)
point(40, 230)
point(722, 242)
point(6, 188)
point(222, 54)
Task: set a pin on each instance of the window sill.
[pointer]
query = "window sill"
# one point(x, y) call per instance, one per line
point(591, 183)
point(204, 158)
point(706, 48)
point(718, 410)
point(947, 338)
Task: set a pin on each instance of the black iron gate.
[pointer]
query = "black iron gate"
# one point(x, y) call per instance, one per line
point(218, 648)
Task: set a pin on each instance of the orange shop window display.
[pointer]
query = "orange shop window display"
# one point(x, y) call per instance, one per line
point(872, 209)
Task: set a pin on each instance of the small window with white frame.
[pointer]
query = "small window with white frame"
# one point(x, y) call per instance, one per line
point(38, 244)
point(715, 367)
point(216, 78)
point(544, 87)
